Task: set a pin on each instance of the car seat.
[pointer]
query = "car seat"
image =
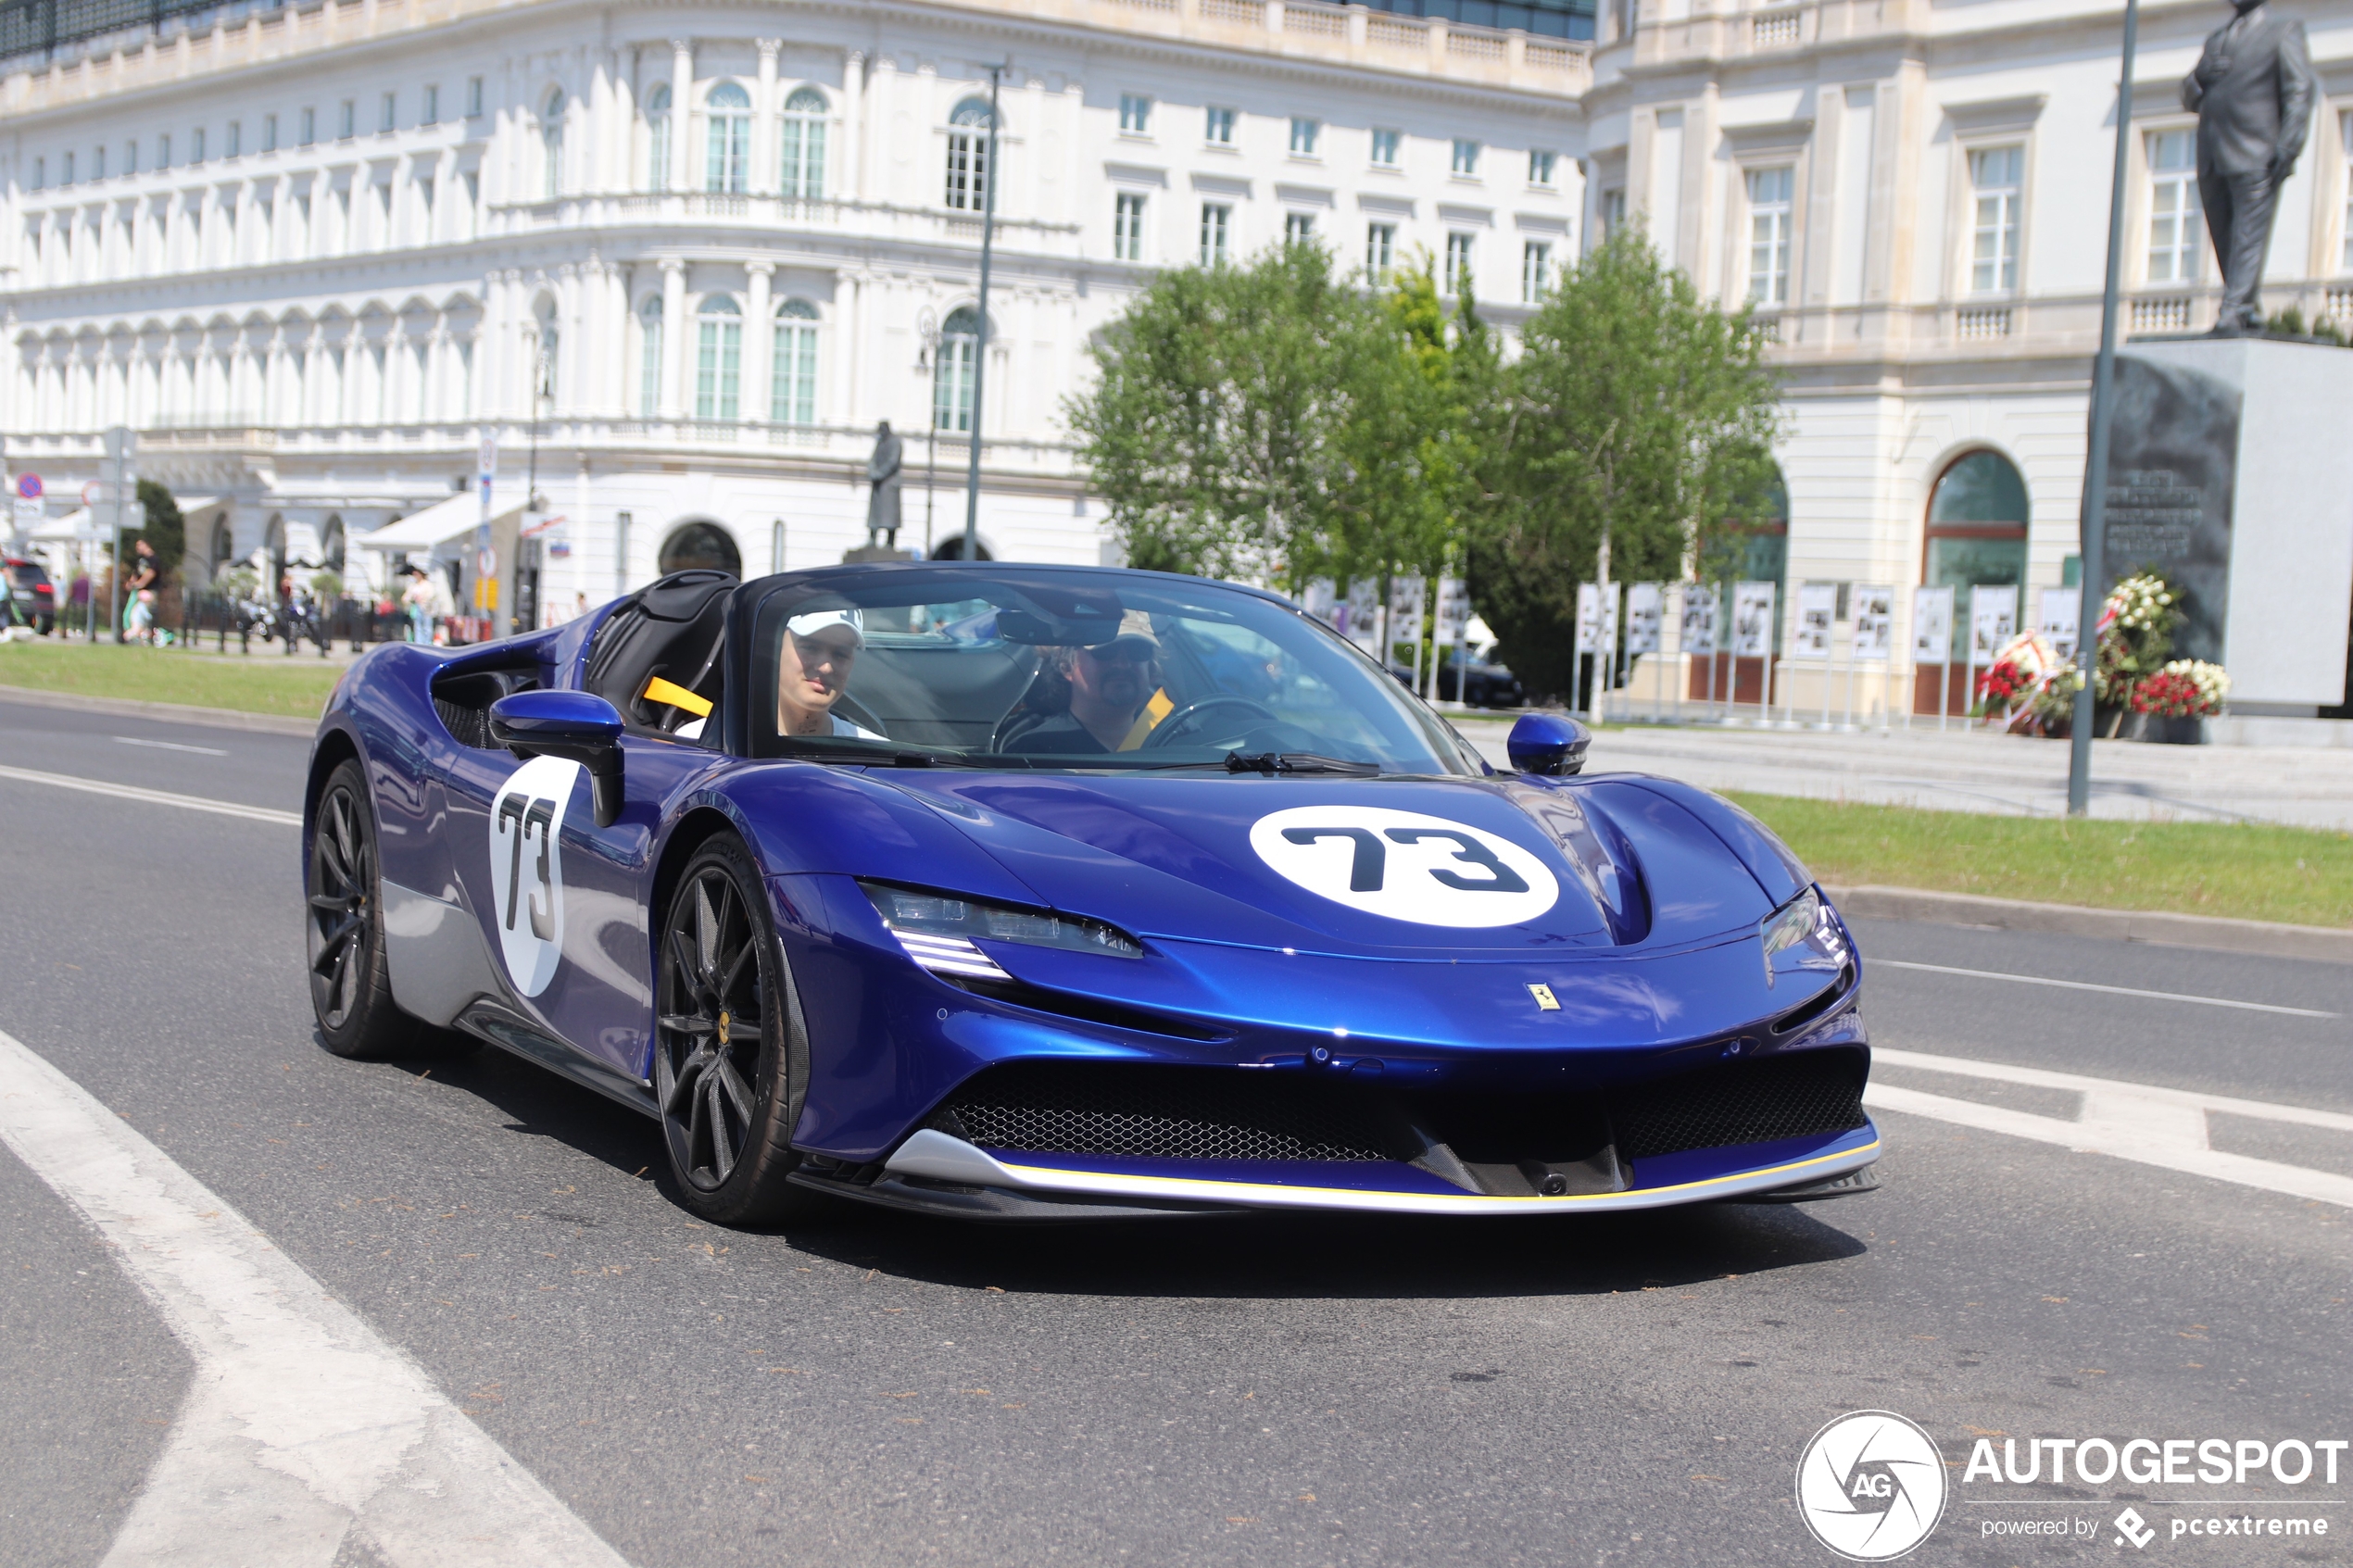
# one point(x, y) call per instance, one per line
point(656, 656)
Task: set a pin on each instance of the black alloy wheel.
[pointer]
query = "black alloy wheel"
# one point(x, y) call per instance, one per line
point(725, 1029)
point(342, 927)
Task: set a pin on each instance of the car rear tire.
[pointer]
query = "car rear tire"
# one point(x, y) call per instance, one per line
point(728, 1042)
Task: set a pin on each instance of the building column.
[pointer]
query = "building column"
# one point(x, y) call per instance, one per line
point(760, 341)
point(682, 91)
point(853, 129)
point(674, 327)
point(764, 176)
point(874, 138)
point(572, 345)
point(851, 305)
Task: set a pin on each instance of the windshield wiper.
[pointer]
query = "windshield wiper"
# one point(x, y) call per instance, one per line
point(1273, 762)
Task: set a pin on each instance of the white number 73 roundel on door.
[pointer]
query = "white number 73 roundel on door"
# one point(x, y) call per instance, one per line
point(1405, 866)
point(527, 869)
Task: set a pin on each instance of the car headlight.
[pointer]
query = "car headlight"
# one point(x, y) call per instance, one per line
point(1802, 923)
point(937, 930)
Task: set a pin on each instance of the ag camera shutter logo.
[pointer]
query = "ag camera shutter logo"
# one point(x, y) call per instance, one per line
point(1871, 1485)
point(1405, 866)
point(527, 869)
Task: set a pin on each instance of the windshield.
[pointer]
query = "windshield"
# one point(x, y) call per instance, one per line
point(1068, 669)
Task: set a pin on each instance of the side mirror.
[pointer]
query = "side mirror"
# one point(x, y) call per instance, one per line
point(579, 726)
point(1545, 743)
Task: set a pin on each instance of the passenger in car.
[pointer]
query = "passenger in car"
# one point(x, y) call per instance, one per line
point(1110, 687)
point(813, 663)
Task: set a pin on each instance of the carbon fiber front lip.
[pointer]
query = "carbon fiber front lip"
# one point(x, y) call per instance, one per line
point(935, 1156)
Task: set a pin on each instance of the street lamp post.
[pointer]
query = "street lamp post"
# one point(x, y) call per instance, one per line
point(980, 342)
point(2093, 574)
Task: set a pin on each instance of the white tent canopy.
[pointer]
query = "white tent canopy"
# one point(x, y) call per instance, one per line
point(437, 524)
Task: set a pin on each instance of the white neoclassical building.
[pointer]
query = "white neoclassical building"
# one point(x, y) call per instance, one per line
point(315, 253)
point(679, 262)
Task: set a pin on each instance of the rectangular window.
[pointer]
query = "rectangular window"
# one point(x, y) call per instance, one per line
point(1609, 214)
point(792, 392)
point(1535, 270)
point(1458, 264)
point(1216, 226)
point(717, 369)
point(1298, 228)
point(41, 170)
point(269, 133)
point(1769, 192)
point(1385, 148)
point(1127, 228)
point(163, 152)
point(474, 98)
point(385, 114)
point(233, 143)
point(1466, 164)
point(2175, 229)
point(1541, 168)
point(1135, 114)
point(195, 147)
point(1305, 134)
point(1219, 126)
point(98, 164)
point(309, 127)
point(131, 158)
point(432, 115)
point(1997, 174)
point(968, 170)
point(347, 120)
point(68, 170)
point(1380, 248)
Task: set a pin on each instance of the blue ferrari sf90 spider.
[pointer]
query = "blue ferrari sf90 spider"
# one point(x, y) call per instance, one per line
point(1029, 892)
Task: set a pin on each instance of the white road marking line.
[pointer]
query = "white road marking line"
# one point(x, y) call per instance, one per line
point(172, 745)
point(2110, 990)
point(156, 796)
point(302, 1428)
point(2137, 1122)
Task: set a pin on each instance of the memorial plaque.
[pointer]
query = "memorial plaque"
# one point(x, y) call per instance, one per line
point(2172, 470)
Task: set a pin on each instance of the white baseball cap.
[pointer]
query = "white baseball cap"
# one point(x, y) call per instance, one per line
point(818, 620)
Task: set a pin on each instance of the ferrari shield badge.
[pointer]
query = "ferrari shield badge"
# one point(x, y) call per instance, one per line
point(527, 869)
point(1405, 866)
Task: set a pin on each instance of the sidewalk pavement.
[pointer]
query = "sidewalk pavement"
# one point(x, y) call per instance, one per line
point(1978, 771)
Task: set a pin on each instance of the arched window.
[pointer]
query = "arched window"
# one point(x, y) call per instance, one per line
point(727, 141)
point(331, 545)
point(657, 137)
point(650, 358)
point(951, 372)
point(700, 546)
point(792, 397)
point(719, 366)
point(551, 142)
point(1977, 521)
point(802, 155)
point(968, 155)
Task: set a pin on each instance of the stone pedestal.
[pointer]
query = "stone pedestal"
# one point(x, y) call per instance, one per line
point(2231, 474)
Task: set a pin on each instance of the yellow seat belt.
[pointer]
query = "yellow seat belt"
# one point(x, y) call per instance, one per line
point(1159, 708)
point(672, 694)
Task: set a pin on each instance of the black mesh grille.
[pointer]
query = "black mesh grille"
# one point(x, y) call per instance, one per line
point(1803, 1095)
point(469, 725)
point(1164, 1112)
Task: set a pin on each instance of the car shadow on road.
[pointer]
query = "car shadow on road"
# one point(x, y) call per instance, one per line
point(1344, 1255)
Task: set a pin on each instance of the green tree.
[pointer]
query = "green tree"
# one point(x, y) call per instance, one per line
point(165, 528)
point(1212, 427)
point(1636, 423)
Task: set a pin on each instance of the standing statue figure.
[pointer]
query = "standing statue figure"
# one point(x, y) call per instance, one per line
point(2253, 91)
point(882, 503)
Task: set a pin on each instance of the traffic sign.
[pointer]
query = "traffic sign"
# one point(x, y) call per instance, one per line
point(29, 512)
point(28, 487)
point(489, 464)
point(487, 563)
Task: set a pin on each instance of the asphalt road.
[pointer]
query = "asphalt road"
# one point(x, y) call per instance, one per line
point(882, 1389)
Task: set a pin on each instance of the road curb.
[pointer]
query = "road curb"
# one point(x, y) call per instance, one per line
point(2316, 942)
point(210, 717)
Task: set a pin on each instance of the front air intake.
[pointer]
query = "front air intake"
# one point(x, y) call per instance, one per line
point(1164, 1113)
point(1804, 1094)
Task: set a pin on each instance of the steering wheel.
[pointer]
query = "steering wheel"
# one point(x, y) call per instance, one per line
point(1163, 733)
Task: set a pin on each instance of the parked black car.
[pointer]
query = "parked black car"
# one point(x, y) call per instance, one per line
point(34, 595)
point(1482, 684)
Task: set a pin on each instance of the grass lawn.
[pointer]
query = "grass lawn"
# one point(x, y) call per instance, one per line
point(266, 683)
point(2246, 871)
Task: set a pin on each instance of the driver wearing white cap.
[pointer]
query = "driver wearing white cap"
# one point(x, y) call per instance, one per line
point(812, 666)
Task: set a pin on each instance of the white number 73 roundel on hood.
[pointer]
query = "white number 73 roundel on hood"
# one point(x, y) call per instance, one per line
point(1403, 865)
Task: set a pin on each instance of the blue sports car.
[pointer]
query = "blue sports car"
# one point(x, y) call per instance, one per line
point(1031, 892)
